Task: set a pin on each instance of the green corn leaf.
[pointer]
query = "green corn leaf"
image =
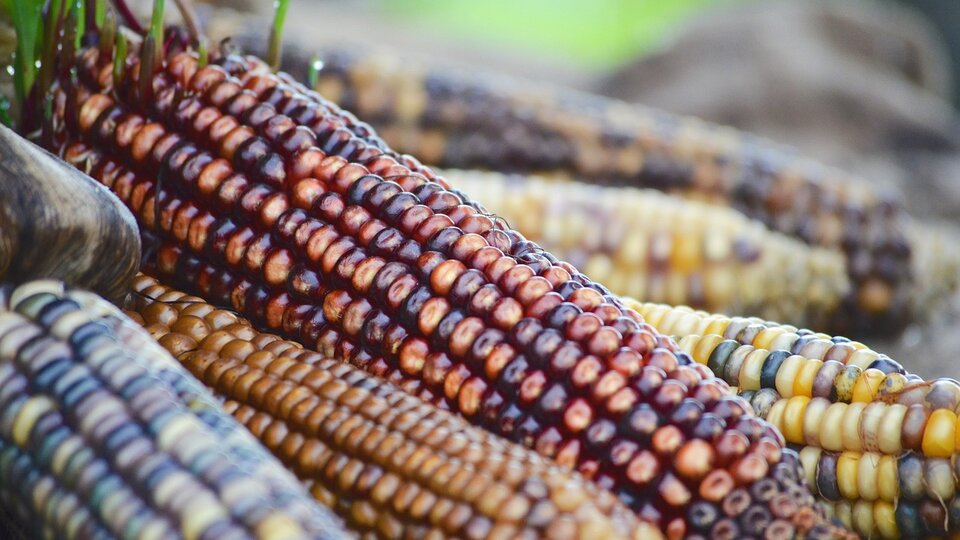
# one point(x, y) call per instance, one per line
point(80, 12)
point(99, 13)
point(5, 117)
point(276, 32)
point(156, 30)
point(313, 72)
point(119, 59)
point(202, 52)
point(25, 15)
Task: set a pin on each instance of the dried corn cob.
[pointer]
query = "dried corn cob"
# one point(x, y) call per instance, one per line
point(644, 244)
point(383, 459)
point(466, 120)
point(304, 234)
point(878, 442)
point(99, 441)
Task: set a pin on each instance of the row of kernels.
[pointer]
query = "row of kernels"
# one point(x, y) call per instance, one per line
point(889, 428)
point(682, 321)
point(664, 482)
point(752, 368)
point(922, 491)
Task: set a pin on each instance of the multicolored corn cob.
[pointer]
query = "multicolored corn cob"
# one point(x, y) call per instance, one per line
point(881, 444)
point(645, 244)
point(386, 461)
point(103, 435)
point(261, 199)
point(467, 120)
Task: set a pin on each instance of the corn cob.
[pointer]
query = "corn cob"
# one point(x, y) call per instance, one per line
point(466, 120)
point(644, 244)
point(99, 441)
point(879, 443)
point(890, 469)
point(302, 233)
point(504, 489)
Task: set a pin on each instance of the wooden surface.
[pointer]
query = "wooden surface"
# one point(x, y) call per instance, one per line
point(56, 222)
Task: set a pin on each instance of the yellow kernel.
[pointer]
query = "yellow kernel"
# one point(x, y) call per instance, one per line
point(890, 428)
point(885, 519)
point(32, 409)
point(688, 342)
point(868, 482)
point(793, 419)
point(850, 428)
point(784, 342)
point(750, 372)
point(809, 457)
point(888, 483)
point(654, 316)
point(847, 468)
point(200, 517)
point(868, 385)
point(862, 358)
point(870, 425)
point(775, 416)
point(803, 385)
point(863, 518)
point(767, 335)
point(812, 420)
point(844, 512)
point(940, 434)
point(717, 326)
point(831, 436)
point(277, 526)
point(706, 345)
point(787, 375)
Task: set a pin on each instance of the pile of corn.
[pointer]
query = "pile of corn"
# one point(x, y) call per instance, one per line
point(422, 368)
point(479, 121)
point(265, 197)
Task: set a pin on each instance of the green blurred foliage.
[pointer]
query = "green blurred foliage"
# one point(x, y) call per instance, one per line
point(594, 32)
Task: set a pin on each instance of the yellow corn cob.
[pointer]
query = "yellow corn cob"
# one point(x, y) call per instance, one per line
point(103, 435)
point(645, 244)
point(344, 431)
